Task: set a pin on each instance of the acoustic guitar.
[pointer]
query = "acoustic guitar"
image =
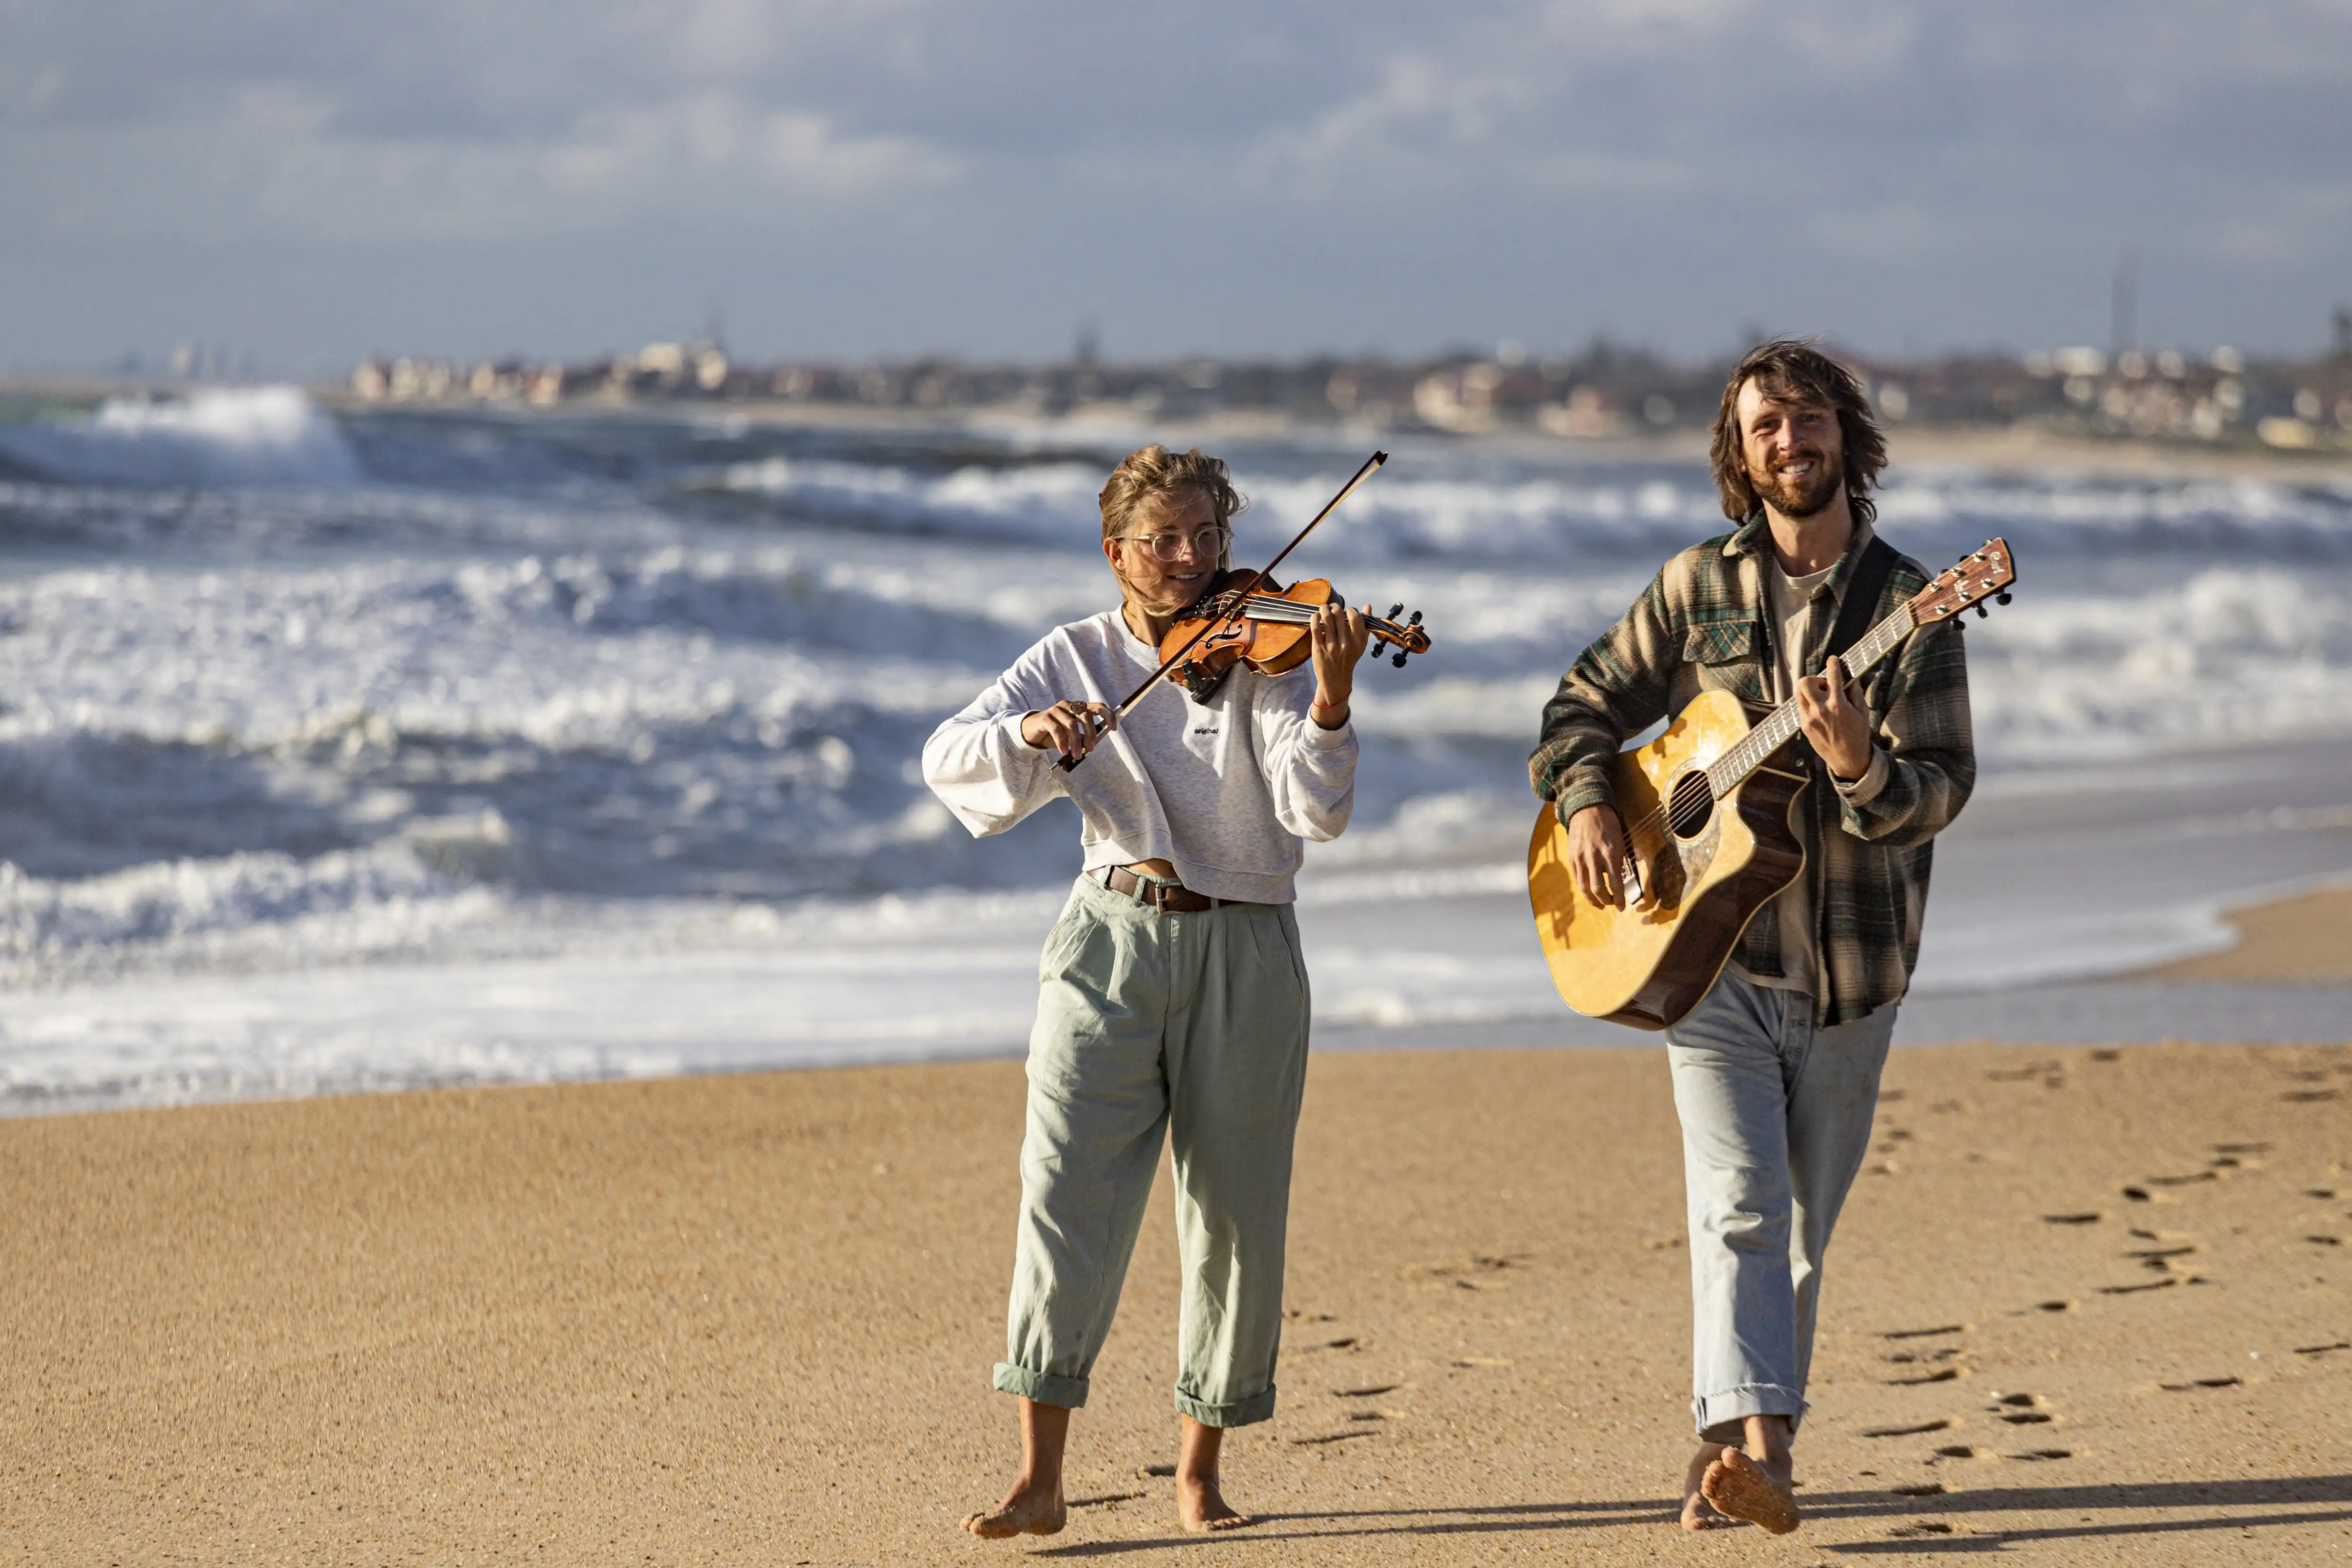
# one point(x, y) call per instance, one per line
point(1713, 818)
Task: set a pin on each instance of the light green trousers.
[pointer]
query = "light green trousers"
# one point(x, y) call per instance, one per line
point(1191, 1025)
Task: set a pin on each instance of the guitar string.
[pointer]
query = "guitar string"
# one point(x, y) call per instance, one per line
point(1750, 744)
point(1748, 752)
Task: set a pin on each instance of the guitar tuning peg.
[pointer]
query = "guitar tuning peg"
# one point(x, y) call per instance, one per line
point(1981, 611)
point(2001, 597)
point(1397, 661)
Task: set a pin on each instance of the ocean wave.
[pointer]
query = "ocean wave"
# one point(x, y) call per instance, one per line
point(215, 436)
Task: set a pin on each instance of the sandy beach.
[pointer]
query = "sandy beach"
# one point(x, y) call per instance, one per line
point(2087, 1306)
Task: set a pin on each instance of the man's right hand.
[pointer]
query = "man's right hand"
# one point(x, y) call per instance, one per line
point(1596, 857)
point(1070, 727)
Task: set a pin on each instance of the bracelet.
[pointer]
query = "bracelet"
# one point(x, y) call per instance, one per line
point(1325, 706)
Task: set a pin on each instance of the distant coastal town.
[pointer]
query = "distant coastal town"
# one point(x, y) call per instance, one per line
point(2212, 396)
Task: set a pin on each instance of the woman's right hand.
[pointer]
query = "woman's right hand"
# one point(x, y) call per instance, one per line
point(1070, 727)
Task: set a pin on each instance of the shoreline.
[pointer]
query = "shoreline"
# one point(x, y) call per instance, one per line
point(2301, 938)
point(2017, 449)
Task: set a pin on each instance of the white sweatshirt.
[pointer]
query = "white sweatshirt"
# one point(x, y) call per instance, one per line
point(1223, 792)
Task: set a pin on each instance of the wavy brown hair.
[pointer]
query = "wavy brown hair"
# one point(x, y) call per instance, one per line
point(1791, 367)
point(1155, 472)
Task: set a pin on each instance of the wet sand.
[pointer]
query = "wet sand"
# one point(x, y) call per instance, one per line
point(2086, 1306)
point(2306, 938)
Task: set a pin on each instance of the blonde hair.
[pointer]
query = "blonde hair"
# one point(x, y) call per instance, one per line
point(1155, 472)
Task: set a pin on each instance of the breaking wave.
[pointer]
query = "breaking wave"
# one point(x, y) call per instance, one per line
point(217, 436)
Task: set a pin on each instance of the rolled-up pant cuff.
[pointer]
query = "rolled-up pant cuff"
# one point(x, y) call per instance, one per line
point(1240, 1413)
point(1044, 1387)
point(1719, 1415)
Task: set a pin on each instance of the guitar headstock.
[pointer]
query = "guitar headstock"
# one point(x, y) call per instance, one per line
point(1406, 635)
point(1985, 573)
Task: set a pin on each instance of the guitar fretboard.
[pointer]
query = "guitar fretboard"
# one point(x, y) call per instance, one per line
point(1773, 733)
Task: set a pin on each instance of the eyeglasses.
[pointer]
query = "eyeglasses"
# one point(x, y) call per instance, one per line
point(1208, 545)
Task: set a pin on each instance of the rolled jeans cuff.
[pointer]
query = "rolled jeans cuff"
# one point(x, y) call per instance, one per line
point(1716, 1412)
point(1240, 1413)
point(1044, 1387)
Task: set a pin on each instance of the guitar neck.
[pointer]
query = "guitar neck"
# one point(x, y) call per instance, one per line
point(1769, 736)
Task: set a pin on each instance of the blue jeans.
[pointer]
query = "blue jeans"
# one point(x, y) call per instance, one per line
point(1776, 1118)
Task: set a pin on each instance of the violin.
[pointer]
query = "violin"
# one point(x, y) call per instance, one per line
point(1262, 622)
point(1265, 625)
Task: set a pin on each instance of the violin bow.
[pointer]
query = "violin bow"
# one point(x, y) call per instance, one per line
point(1210, 624)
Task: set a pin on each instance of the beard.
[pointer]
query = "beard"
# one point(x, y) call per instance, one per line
point(1798, 497)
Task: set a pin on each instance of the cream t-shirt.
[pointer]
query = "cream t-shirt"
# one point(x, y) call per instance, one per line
point(1791, 601)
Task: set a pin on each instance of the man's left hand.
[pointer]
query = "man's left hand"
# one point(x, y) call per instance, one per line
point(1834, 720)
point(1338, 640)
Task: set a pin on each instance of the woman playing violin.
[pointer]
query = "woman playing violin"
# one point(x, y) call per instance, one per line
point(1172, 998)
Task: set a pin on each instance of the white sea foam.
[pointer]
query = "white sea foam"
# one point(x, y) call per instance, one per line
point(214, 437)
point(381, 691)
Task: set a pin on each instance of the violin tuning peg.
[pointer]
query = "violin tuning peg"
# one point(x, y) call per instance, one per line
point(1396, 610)
point(2001, 597)
point(1397, 661)
point(1379, 649)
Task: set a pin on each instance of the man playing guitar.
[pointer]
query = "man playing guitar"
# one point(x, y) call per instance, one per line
point(1172, 999)
point(1776, 1069)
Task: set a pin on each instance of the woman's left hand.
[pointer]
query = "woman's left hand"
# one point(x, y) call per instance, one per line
point(1338, 639)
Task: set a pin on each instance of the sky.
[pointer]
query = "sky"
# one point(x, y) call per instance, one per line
point(305, 182)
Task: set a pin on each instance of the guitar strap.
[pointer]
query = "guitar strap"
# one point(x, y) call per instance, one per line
point(1859, 608)
point(1857, 612)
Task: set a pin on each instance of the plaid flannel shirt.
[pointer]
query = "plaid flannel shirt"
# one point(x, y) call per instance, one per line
point(1703, 624)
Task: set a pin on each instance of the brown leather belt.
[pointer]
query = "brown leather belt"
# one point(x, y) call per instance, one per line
point(1168, 898)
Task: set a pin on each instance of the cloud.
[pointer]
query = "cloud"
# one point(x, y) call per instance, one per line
point(924, 167)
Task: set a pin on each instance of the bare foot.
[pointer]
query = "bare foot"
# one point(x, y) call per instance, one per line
point(1697, 1512)
point(1745, 1489)
point(1201, 1507)
point(1031, 1508)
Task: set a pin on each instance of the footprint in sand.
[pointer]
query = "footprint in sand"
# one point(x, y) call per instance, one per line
point(2093, 1218)
point(2135, 1290)
point(2022, 1410)
point(2323, 1350)
point(1924, 1333)
point(1374, 1392)
point(2159, 1258)
point(1962, 1451)
point(1921, 1527)
point(2032, 1453)
point(1945, 1374)
point(1940, 1424)
point(1467, 1273)
point(2200, 1383)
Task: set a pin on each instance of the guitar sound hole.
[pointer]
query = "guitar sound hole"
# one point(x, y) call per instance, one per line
point(1692, 803)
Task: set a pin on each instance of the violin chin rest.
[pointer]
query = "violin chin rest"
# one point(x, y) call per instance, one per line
point(1199, 683)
